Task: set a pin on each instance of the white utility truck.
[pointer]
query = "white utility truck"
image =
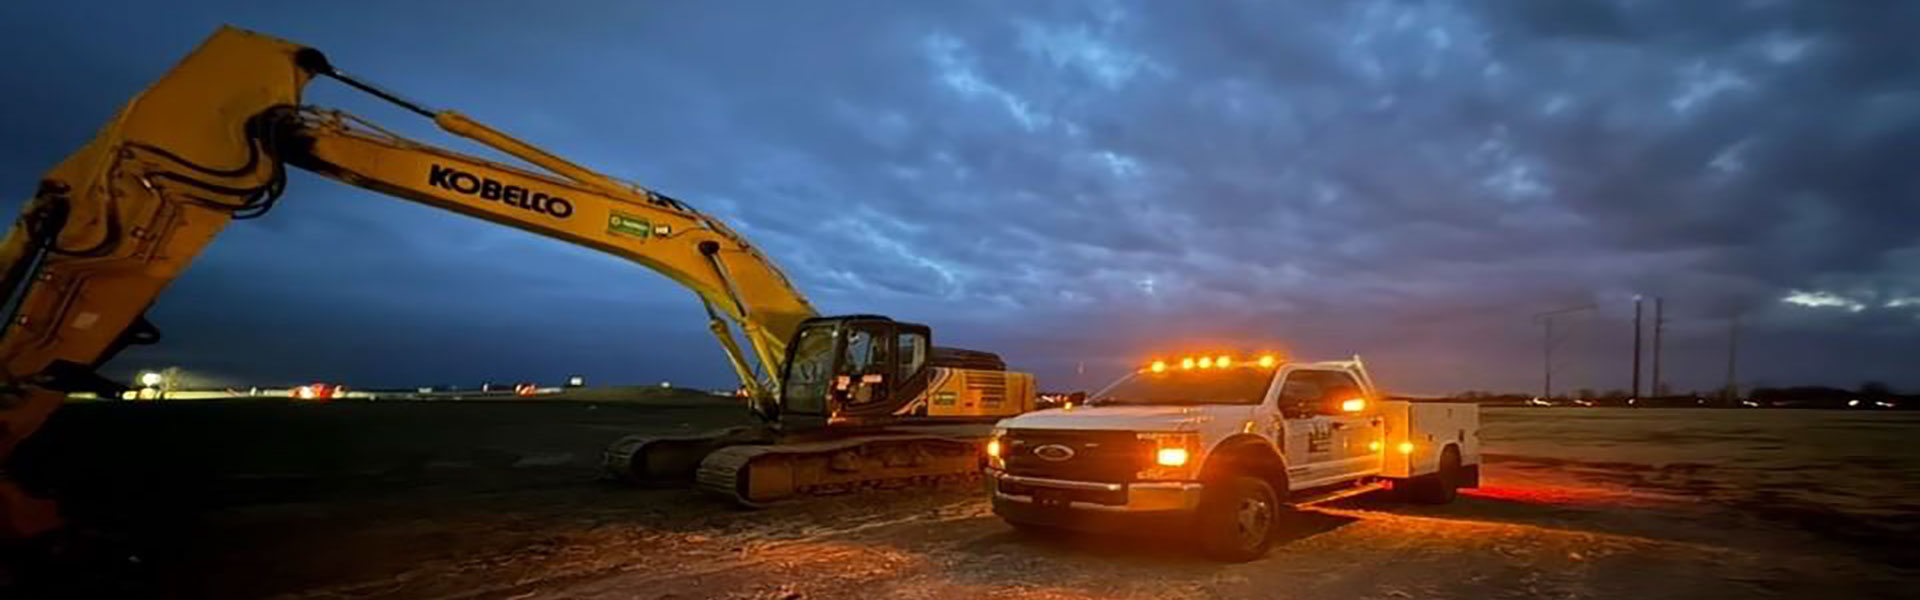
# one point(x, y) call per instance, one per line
point(1226, 446)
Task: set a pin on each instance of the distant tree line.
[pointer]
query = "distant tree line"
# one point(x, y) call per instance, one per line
point(1869, 395)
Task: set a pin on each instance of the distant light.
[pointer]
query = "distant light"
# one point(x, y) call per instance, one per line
point(1373, 446)
point(1222, 361)
point(1406, 447)
point(305, 392)
point(993, 448)
point(1269, 361)
point(1353, 405)
point(1186, 363)
point(152, 379)
point(1853, 402)
point(1206, 363)
point(666, 384)
point(1158, 366)
point(576, 381)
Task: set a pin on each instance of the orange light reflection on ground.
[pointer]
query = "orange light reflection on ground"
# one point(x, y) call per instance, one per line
point(1564, 495)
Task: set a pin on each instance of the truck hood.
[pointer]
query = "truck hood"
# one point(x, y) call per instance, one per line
point(1125, 418)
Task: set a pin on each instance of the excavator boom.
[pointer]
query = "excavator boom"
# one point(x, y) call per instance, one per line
point(117, 221)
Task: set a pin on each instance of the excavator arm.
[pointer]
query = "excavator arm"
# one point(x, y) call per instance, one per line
point(114, 223)
point(703, 254)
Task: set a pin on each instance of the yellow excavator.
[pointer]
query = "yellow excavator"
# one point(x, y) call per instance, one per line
point(846, 402)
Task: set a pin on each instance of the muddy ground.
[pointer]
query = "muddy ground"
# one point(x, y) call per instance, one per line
point(502, 500)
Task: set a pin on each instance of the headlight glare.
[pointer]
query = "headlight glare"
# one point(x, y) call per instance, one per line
point(1172, 455)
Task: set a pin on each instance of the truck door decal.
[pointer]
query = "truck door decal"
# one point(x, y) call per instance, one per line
point(1319, 437)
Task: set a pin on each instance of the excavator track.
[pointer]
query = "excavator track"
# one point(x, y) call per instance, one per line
point(654, 460)
point(761, 474)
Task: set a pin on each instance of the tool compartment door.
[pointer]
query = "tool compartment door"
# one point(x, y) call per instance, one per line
point(1430, 427)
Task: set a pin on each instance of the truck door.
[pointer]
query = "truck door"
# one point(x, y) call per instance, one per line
point(1309, 440)
point(1357, 427)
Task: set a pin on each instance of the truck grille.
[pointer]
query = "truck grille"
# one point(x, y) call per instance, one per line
point(1103, 456)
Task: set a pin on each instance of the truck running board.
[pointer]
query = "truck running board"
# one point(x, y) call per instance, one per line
point(1324, 496)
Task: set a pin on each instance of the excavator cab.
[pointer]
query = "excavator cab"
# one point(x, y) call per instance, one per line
point(869, 370)
point(853, 368)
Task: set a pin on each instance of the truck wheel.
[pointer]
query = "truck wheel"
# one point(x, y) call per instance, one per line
point(1442, 485)
point(1237, 518)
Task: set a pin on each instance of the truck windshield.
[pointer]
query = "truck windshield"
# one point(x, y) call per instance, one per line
point(1230, 386)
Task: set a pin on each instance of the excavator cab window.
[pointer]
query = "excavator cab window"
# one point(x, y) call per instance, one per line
point(867, 366)
point(913, 354)
point(811, 370)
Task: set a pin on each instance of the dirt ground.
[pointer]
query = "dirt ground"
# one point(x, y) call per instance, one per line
point(502, 500)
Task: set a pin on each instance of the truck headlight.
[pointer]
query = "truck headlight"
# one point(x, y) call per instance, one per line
point(1172, 455)
point(996, 449)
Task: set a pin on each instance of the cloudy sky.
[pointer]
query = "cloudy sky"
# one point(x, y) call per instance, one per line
point(1081, 186)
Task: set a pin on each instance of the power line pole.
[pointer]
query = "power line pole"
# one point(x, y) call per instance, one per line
point(1635, 393)
point(1659, 322)
point(1546, 364)
point(1546, 347)
point(1731, 392)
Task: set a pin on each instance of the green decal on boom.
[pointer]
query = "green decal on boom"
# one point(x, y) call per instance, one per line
point(943, 398)
point(628, 225)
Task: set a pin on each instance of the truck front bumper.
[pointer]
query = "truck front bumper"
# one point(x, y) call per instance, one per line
point(1091, 505)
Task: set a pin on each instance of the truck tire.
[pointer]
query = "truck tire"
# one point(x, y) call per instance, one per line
point(1440, 487)
point(1237, 518)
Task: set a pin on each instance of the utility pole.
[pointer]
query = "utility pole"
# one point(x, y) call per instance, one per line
point(1636, 349)
point(1659, 322)
point(1546, 347)
point(1546, 364)
point(1733, 346)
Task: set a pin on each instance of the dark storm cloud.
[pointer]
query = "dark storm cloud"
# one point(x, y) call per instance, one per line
point(1092, 182)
